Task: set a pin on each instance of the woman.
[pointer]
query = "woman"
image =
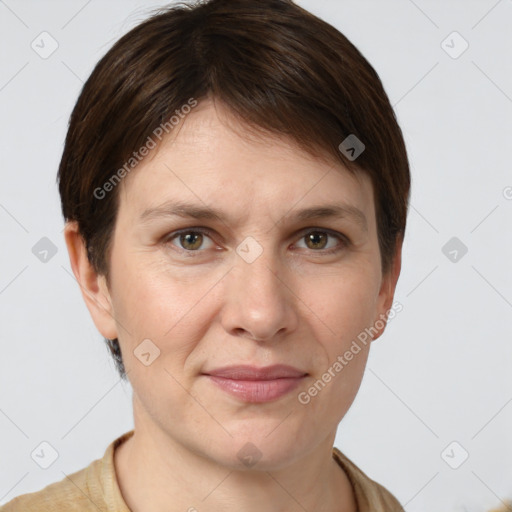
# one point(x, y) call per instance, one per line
point(235, 188)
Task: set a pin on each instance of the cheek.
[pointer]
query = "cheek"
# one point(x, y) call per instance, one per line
point(168, 307)
point(151, 297)
point(344, 305)
point(153, 304)
point(330, 393)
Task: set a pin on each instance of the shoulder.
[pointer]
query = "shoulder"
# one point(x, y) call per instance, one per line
point(90, 489)
point(61, 496)
point(370, 495)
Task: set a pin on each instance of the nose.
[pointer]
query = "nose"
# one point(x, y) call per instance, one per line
point(259, 302)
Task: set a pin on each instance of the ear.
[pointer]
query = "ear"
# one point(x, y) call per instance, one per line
point(93, 286)
point(387, 291)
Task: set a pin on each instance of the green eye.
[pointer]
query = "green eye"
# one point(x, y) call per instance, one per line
point(318, 240)
point(190, 240)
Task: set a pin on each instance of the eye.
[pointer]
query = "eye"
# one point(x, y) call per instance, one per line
point(190, 240)
point(318, 241)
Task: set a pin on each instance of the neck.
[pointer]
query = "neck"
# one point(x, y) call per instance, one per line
point(157, 474)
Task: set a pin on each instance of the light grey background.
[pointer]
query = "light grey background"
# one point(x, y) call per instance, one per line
point(442, 370)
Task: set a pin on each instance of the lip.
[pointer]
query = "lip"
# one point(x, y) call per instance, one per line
point(247, 372)
point(253, 384)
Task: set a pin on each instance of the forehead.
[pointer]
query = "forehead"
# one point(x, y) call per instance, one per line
point(213, 160)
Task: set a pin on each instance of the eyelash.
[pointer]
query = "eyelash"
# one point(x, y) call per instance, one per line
point(345, 242)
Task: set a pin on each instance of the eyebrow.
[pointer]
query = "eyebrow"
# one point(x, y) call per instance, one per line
point(194, 211)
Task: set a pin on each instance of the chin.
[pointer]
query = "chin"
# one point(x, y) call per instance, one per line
point(261, 447)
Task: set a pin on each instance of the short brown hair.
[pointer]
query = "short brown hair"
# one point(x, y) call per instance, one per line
point(277, 67)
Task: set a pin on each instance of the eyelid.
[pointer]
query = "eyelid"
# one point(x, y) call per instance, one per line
point(194, 229)
point(332, 232)
point(341, 237)
point(344, 239)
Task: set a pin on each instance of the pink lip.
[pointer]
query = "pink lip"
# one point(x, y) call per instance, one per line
point(252, 384)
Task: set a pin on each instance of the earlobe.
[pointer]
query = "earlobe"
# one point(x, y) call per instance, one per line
point(93, 286)
point(387, 291)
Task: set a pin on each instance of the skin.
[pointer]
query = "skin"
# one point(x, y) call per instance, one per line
point(205, 307)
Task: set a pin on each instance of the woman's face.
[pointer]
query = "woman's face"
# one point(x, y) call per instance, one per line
point(275, 279)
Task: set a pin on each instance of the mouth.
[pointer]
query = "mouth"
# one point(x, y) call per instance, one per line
point(252, 384)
